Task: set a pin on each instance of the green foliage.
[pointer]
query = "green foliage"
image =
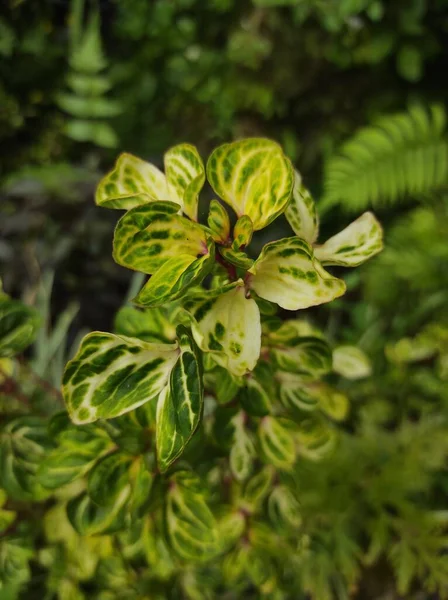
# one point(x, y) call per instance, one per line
point(404, 155)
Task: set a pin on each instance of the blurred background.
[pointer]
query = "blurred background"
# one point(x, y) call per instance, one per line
point(356, 92)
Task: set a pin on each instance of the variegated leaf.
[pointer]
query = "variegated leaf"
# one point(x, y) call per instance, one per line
point(298, 392)
point(228, 326)
point(242, 232)
point(284, 508)
point(258, 394)
point(219, 222)
point(148, 235)
point(254, 177)
point(149, 325)
point(108, 478)
point(287, 273)
point(23, 445)
point(88, 518)
point(179, 408)
point(301, 212)
point(236, 257)
point(231, 527)
point(18, 326)
point(276, 436)
point(256, 489)
point(355, 244)
point(222, 383)
point(310, 355)
point(351, 362)
point(333, 403)
point(110, 375)
point(185, 175)
point(316, 438)
point(242, 452)
point(175, 277)
point(77, 450)
point(131, 182)
point(192, 528)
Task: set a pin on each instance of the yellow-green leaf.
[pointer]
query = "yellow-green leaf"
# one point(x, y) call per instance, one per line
point(242, 232)
point(355, 244)
point(219, 222)
point(131, 182)
point(287, 273)
point(351, 362)
point(276, 436)
point(110, 375)
point(185, 175)
point(179, 408)
point(18, 326)
point(301, 212)
point(227, 324)
point(254, 177)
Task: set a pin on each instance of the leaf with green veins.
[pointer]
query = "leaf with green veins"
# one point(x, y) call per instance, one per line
point(284, 509)
point(23, 445)
point(256, 489)
point(316, 438)
point(192, 528)
point(227, 324)
point(287, 273)
point(108, 478)
point(242, 232)
point(185, 175)
point(18, 326)
point(76, 452)
point(236, 258)
point(301, 212)
point(148, 235)
point(276, 436)
point(258, 394)
point(88, 518)
point(149, 325)
point(141, 481)
point(180, 405)
point(219, 222)
point(351, 362)
point(298, 392)
point(254, 177)
point(310, 355)
point(242, 452)
point(355, 244)
point(111, 375)
point(172, 280)
point(131, 182)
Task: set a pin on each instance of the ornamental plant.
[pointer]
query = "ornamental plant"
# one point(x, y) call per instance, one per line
point(172, 473)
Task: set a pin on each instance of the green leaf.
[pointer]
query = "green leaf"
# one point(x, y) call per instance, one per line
point(180, 405)
point(153, 238)
point(149, 325)
point(355, 244)
point(257, 489)
point(351, 362)
point(311, 355)
point(301, 212)
point(254, 177)
point(131, 182)
point(219, 222)
point(23, 445)
point(333, 403)
point(284, 509)
point(237, 258)
point(185, 175)
point(111, 375)
point(410, 63)
point(192, 528)
point(298, 392)
point(76, 452)
point(258, 393)
point(242, 452)
point(88, 518)
point(174, 277)
point(108, 478)
point(287, 273)
point(276, 436)
point(224, 385)
point(228, 326)
point(18, 326)
point(316, 438)
point(242, 232)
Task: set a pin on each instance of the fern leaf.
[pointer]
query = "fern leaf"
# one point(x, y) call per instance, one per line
point(402, 155)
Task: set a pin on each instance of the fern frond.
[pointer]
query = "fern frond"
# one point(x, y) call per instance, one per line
point(400, 156)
